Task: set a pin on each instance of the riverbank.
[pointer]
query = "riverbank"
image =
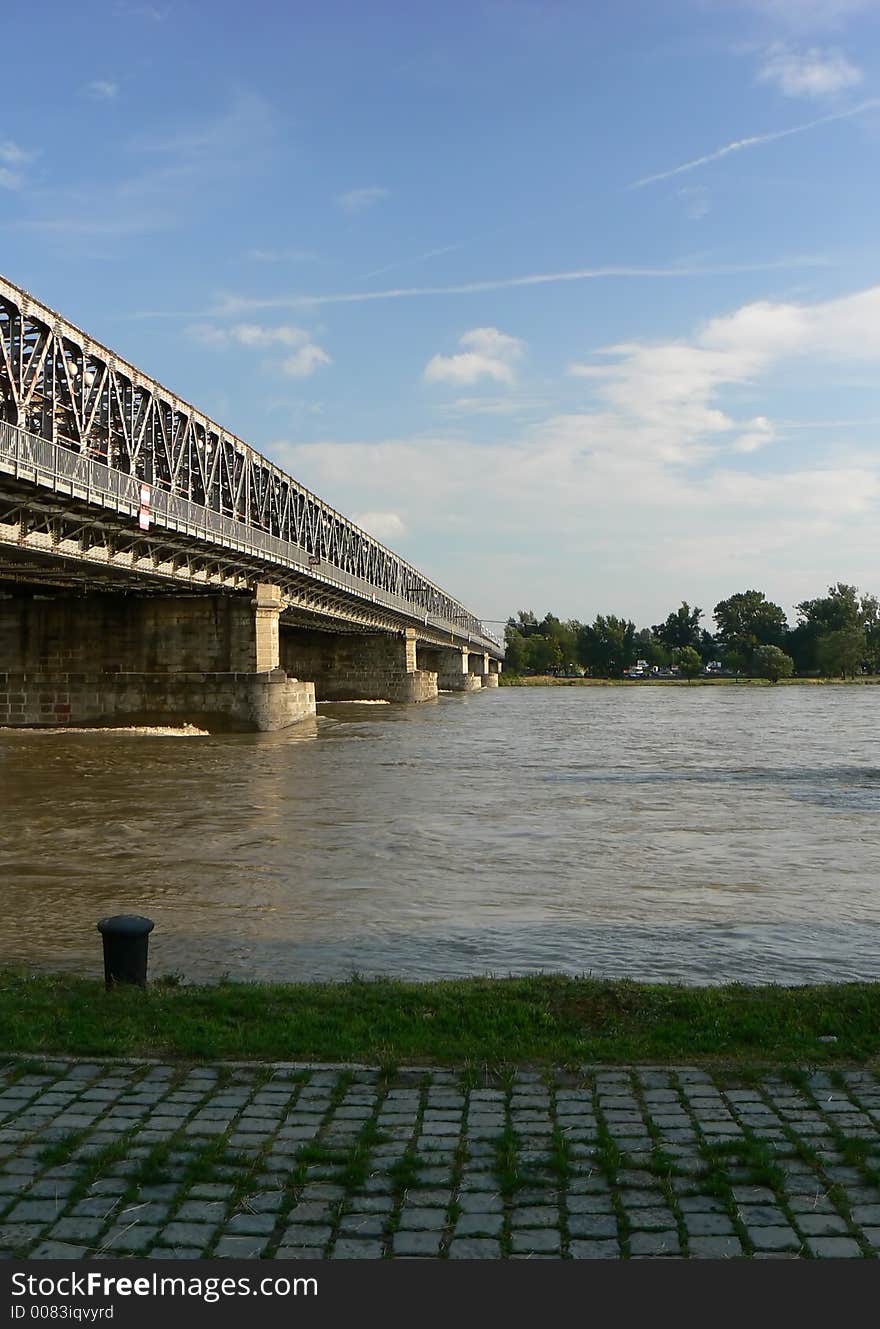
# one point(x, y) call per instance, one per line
point(710, 681)
point(477, 1022)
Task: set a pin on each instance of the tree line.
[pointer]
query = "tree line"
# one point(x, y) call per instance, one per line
point(835, 634)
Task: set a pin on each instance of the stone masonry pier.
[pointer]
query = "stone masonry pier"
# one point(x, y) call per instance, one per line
point(217, 660)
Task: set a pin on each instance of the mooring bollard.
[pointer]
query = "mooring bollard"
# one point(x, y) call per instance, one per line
point(126, 941)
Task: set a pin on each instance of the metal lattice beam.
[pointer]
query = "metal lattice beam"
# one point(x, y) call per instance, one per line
point(77, 420)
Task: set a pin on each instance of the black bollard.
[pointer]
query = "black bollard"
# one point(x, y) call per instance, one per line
point(126, 940)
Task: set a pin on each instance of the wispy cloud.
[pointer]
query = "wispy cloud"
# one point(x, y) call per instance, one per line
point(814, 73)
point(755, 141)
point(236, 304)
point(696, 201)
point(102, 90)
point(12, 158)
point(358, 200)
point(486, 353)
point(409, 262)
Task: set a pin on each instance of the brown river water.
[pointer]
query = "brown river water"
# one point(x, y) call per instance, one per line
point(698, 834)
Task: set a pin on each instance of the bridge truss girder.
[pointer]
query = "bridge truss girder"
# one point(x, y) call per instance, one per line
point(60, 388)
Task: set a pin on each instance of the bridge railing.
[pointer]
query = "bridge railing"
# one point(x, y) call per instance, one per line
point(51, 465)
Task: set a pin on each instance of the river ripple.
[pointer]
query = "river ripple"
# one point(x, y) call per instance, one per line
point(700, 834)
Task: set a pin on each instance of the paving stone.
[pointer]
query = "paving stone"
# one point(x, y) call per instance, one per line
point(57, 1250)
point(473, 1248)
point(135, 1237)
point(317, 1235)
point(34, 1211)
point(429, 1220)
point(201, 1211)
point(651, 1219)
point(416, 1243)
point(536, 1240)
point(77, 1230)
point(594, 1250)
point(475, 1224)
point(362, 1225)
point(592, 1225)
point(350, 1248)
point(195, 1235)
point(822, 1225)
point(778, 1238)
point(715, 1248)
point(834, 1248)
point(654, 1243)
point(250, 1225)
point(708, 1225)
point(239, 1248)
point(866, 1214)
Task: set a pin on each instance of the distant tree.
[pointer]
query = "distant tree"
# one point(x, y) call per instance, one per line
point(542, 655)
point(525, 623)
point(647, 647)
point(515, 652)
point(746, 621)
point(772, 662)
point(682, 628)
point(830, 627)
point(606, 647)
point(689, 661)
point(841, 651)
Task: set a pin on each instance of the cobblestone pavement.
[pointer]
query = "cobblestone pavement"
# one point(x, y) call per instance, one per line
point(280, 1161)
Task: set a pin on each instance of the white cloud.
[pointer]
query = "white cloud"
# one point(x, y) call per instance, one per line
point(12, 157)
point(383, 525)
point(812, 73)
point(305, 355)
point(102, 90)
point(358, 200)
point(304, 361)
point(487, 353)
point(11, 154)
point(249, 334)
point(655, 489)
point(664, 396)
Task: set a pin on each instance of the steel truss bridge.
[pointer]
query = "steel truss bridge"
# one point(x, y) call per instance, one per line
point(107, 479)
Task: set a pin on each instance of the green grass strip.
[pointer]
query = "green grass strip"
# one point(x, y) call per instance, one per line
point(483, 1022)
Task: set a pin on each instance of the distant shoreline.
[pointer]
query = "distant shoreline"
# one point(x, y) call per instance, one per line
point(550, 681)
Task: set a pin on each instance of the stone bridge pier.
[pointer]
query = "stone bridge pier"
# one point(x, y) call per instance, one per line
point(218, 661)
point(125, 659)
point(358, 666)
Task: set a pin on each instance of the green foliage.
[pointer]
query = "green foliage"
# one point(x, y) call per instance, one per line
point(682, 628)
point(690, 662)
point(607, 647)
point(841, 651)
point(771, 662)
point(837, 634)
point(747, 621)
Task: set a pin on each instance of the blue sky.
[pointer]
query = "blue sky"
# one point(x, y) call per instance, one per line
point(575, 305)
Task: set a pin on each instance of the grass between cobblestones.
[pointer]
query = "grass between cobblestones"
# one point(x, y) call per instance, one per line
point(472, 1022)
point(262, 1162)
